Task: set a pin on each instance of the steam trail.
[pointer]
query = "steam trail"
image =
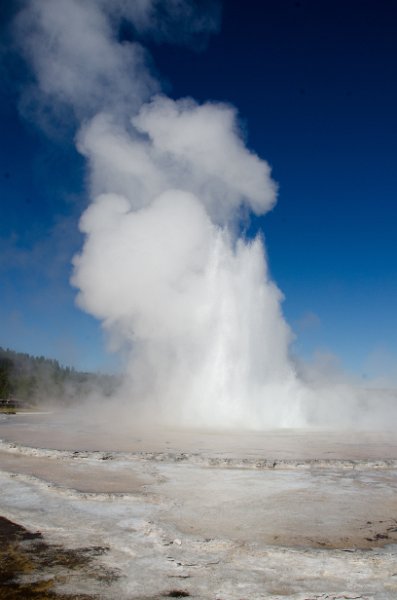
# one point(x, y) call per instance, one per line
point(162, 266)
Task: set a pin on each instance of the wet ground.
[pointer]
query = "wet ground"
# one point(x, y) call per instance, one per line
point(302, 515)
point(73, 431)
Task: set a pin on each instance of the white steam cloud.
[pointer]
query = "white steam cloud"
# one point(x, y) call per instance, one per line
point(163, 266)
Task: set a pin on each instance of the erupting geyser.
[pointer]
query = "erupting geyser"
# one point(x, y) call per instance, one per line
point(166, 272)
point(164, 265)
point(186, 509)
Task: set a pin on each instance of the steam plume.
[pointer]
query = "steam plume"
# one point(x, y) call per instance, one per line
point(163, 266)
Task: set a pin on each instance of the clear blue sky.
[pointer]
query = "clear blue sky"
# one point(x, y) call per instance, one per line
point(316, 89)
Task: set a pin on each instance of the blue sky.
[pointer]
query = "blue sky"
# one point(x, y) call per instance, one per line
point(314, 83)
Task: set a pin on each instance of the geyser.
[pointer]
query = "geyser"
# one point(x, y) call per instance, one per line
point(164, 265)
point(165, 270)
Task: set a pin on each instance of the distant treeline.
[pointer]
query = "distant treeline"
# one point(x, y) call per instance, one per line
point(33, 379)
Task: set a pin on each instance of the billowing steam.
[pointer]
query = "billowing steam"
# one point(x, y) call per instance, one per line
point(163, 266)
point(164, 270)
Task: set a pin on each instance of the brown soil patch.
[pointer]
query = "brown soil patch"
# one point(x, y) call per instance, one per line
point(30, 568)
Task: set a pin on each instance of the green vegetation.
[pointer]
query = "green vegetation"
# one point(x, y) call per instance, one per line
point(28, 380)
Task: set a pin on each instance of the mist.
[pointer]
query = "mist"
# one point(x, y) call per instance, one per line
point(180, 291)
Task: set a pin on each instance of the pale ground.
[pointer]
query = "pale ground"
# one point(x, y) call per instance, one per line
point(286, 514)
